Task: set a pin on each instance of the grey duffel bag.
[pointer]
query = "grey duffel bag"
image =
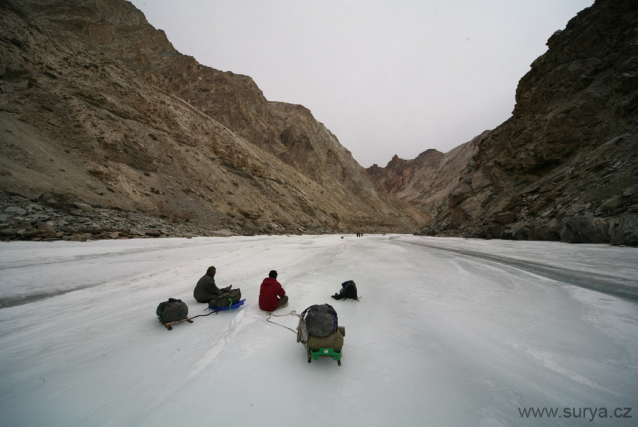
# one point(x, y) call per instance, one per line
point(321, 320)
point(172, 310)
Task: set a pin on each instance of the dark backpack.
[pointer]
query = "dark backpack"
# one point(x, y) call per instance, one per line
point(172, 310)
point(349, 289)
point(225, 298)
point(321, 320)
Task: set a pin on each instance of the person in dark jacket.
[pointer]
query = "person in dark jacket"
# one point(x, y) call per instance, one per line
point(206, 287)
point(271, 295)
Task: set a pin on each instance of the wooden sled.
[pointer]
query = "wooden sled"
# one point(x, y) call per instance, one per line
point(168, 324)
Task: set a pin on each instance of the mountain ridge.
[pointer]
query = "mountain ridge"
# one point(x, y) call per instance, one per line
point(92, 109)
point(565, 165)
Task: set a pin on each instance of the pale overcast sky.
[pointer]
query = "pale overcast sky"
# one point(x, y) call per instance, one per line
point(386, 77)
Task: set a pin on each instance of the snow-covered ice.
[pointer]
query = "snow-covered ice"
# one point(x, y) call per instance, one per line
point(449, 332)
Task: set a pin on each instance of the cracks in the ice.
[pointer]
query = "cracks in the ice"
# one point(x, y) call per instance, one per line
point(38, 296)
point(321, 267)
point(27, 299)
point(225, 337)
point(593, 281)
point(115, 253)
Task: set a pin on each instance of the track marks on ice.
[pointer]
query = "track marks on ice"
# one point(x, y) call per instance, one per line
point(612, 285)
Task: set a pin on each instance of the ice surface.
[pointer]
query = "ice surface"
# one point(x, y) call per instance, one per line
point(449, 332)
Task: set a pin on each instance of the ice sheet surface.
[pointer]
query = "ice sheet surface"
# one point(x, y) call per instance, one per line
point(449, 332)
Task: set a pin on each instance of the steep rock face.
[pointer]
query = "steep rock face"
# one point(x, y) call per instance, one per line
point(427, 180)
point(83, 114)
point(565, 165)
point(290, 132)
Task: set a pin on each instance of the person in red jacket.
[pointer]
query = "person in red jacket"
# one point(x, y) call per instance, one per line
point(271, 295)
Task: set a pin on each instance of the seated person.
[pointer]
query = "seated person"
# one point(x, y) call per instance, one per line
point(206, 287)
point(271, 295)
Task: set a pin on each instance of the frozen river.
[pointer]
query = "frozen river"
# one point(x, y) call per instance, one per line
point(449, 332)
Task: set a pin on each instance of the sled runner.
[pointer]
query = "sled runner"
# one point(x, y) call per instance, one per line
point(330, 346)
point(227, 307)
point(324, 352)
point(168, 324)
point(171, 312)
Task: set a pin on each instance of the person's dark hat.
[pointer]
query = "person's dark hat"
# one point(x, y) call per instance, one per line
point(273, 274)
point(212, 267)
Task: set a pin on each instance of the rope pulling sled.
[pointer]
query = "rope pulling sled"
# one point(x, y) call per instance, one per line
point(175, 311)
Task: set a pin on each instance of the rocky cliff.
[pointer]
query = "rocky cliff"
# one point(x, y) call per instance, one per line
point(565, 165)
point(96, 106)
point(426, 181)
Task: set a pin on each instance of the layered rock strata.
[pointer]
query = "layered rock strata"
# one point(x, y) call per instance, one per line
point(565, 165)
point(97, 105)
point(426, 181)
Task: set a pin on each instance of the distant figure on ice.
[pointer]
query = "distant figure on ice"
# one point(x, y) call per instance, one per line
point(206, 287)
point(271, 295)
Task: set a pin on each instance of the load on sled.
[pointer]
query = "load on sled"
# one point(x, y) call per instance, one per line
point(176, 311)
point(320, 333)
